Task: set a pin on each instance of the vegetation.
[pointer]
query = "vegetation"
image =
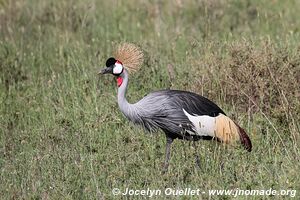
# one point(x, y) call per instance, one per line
point(63, 137)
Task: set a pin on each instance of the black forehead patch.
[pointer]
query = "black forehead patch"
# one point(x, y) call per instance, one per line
point(111, 61)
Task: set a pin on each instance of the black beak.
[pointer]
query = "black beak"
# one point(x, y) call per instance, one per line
point(107, 70)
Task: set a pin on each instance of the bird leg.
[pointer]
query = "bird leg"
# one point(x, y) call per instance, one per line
point(196, 154)
point(168, 153)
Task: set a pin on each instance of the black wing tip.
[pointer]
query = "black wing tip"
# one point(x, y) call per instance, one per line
point(248, 145)
point(245, 140)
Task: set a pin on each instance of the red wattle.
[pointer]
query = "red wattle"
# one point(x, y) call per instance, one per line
point(119, 81)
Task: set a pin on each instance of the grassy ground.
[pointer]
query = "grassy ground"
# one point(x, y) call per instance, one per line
point(63, 137)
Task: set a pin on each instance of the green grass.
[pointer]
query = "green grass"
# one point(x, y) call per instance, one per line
point(63, 136)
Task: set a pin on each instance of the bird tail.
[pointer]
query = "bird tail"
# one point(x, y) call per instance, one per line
point(228, 131)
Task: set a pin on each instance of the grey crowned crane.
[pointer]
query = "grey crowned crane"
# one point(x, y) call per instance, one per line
point(179, 114)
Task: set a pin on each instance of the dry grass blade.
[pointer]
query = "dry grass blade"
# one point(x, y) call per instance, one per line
point(130, 55)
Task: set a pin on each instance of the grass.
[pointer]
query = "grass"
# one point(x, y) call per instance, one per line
point(63, 137)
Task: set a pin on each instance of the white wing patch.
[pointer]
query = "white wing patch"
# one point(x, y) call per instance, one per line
point(205, 125)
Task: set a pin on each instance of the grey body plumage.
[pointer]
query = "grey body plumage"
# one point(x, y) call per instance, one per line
point(164, 110)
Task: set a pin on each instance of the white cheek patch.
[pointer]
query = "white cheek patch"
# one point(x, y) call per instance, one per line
point(118, 68)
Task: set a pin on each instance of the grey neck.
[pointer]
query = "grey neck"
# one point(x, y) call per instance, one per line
point(125, 107)
point(133, 112)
